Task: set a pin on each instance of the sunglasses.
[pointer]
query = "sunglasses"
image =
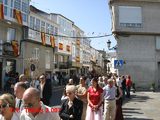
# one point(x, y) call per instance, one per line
point(29, 105)
point(4, 106)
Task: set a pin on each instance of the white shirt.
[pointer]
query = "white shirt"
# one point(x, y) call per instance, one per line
point(47, 114)
point(16, 116)
point(119, 82)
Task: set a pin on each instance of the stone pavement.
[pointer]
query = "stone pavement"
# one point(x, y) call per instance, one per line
point(142, 106)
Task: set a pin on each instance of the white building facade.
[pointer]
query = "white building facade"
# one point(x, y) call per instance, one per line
point(136, 28)
point(13, 16)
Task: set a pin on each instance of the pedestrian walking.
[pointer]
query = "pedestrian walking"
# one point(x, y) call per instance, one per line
point(128, 85)
point(109, 100)
point(7, 108)
point(19, 90)
point(95, 98)
point(71, 108)
point(45, 90)
point(119, 94)
point(82, 94)
point(34, 108)
point(124, 86)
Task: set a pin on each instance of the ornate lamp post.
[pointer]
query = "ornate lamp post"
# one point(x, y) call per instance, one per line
point(109, 46)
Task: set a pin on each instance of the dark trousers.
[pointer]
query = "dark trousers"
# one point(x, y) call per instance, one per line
point(128, 89)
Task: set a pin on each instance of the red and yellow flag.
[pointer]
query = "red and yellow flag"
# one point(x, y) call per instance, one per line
point(1, 11)
point(18, 16)
point(78, 42)
point(77, 59)
point(68, 48)
point(60, 46)
point(15, 47)
point(43, 38)
point(52, 40)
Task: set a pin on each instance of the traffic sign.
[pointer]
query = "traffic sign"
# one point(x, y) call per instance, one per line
point(118, 64)
point(33, 67)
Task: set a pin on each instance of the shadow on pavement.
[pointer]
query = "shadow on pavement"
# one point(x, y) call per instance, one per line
point(134, 113)
point(137, 119)
point(136, 98)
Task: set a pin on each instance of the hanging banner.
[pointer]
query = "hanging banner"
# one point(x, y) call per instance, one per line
point(77, 59)
point(18, 16)
point(60, 46)
point(1, 11)
point(43, 38)
point(15, 47)
point(52, 40)
point(68, 48)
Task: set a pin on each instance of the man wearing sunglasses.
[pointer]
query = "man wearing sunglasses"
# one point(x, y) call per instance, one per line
point(34, 109)
point(7, 107)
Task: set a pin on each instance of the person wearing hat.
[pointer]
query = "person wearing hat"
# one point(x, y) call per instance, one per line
point(109, 100)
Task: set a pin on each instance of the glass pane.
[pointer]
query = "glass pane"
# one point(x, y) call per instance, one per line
point(5, 10)
point(25, 7)
point(6, 2)
point(11, 34)
point(37, 24)
point(17, 4)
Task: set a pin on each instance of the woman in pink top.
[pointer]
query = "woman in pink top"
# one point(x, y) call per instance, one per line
point(94, 97)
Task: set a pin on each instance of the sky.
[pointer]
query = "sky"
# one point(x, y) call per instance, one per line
point(92, 16)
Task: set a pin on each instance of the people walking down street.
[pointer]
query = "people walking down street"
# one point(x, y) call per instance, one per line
point(71, 108)
point(45, 90)
point(34, 108)
point(7, 108)
point(19, 90)
point(82, 94)
point(95, 98)
point(109, 100)
point(128, 85)
point(124, 86)
point(119, 94)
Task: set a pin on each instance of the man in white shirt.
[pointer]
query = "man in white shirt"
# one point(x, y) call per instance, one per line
point(19, 90)
point(34, 109)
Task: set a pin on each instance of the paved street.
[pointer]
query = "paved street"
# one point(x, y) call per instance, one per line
point(142, 106)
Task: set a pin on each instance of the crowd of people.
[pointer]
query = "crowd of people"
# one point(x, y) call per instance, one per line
point(94, 98)
point(101, 100)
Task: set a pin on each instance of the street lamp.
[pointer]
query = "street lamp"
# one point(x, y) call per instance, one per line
point(109, 45)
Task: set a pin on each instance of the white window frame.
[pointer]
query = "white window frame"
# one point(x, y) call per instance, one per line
point(157, 42)
point(36, 53)
point(134, 16)
point(47, 60)
point(11, 34)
